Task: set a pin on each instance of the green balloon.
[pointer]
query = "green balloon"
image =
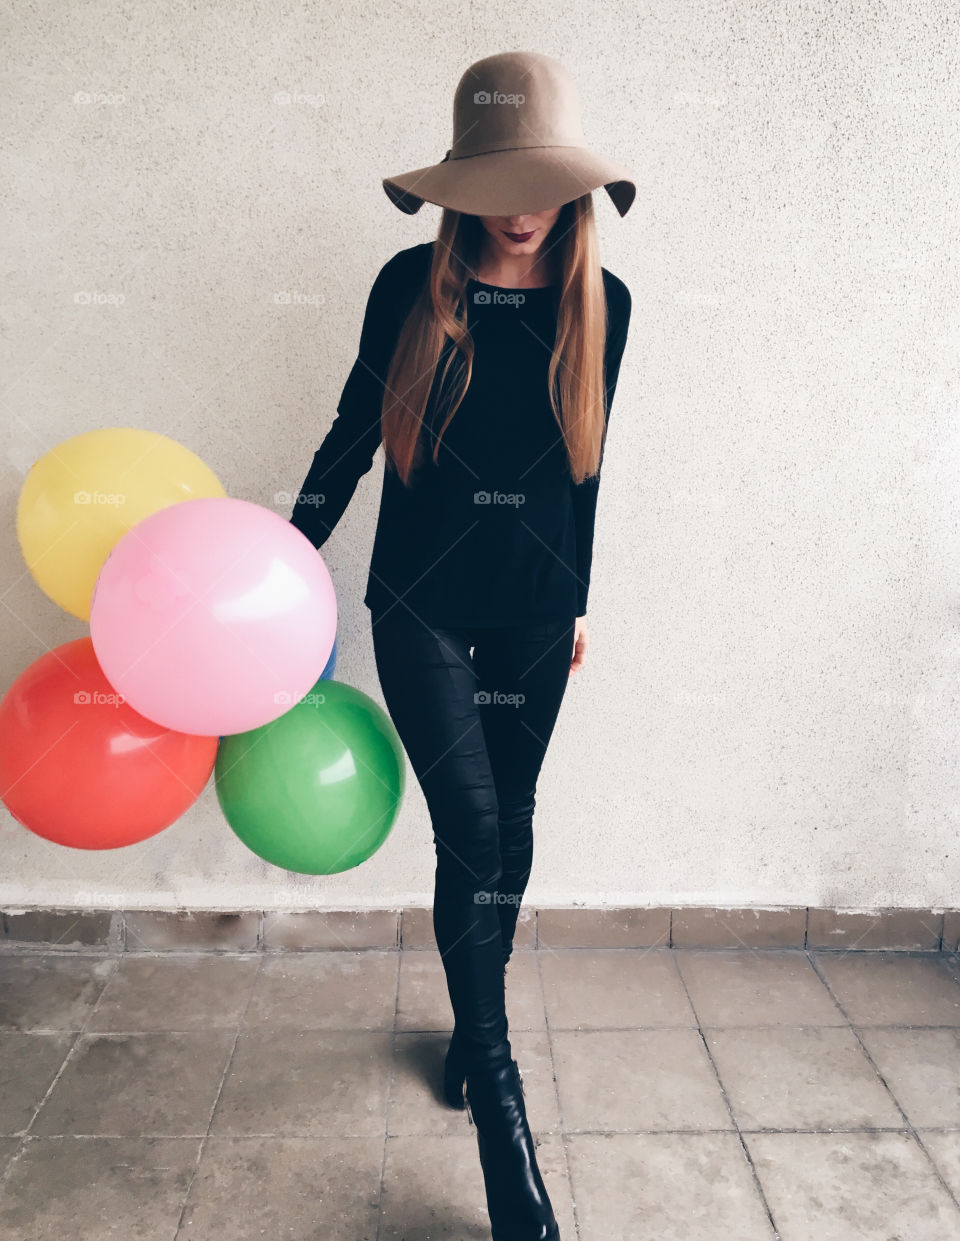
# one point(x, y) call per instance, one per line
point(317, 790)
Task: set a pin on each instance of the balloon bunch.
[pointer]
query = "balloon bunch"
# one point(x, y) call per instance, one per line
point(212, 648)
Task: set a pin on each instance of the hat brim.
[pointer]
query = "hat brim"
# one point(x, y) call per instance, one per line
point(517, 182)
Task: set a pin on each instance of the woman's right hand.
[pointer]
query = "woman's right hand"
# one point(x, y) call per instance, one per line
point(581, 641)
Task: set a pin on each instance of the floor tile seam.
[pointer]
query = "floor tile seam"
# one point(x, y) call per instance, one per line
point(758, 1186)
point(889, 1089)
point(388, 1100)
point(216, 1100)
point(578, 1231)
point(309, 1135)
point(439, 1032)
point(68, 1056)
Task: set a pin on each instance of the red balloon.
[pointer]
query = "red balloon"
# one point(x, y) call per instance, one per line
point(80, 767)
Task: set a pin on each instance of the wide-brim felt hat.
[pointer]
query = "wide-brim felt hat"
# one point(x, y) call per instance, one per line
point(518, 145)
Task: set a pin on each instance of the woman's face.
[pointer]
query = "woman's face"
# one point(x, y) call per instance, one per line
point(520, 235)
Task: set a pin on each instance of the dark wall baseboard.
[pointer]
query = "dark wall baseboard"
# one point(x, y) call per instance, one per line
point(166, 930)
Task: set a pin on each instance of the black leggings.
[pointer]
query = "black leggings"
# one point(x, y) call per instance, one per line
point(475, 727)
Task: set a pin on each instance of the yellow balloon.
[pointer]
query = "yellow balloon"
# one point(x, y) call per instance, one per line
point(82, 496)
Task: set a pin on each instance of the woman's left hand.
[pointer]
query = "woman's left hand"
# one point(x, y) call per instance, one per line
point(581, 640)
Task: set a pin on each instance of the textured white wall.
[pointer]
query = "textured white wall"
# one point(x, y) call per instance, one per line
point(770, 710)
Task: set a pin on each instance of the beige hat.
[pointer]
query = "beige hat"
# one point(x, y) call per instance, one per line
point(518, 145)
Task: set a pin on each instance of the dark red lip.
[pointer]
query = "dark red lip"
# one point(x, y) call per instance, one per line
point(519, 236)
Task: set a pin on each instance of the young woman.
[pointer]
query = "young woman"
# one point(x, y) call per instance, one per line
point(487, 366)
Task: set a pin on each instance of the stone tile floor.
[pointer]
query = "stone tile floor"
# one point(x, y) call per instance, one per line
point(681, 1095)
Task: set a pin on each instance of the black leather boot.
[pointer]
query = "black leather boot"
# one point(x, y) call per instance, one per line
point(454, 1074)
point(517, 1200)
point(454, 1065)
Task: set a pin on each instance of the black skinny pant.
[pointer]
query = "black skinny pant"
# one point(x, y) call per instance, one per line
point(475, 708)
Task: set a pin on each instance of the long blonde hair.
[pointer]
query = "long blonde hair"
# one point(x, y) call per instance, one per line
point(436, 328)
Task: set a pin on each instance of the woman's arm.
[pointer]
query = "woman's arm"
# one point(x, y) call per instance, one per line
point(348, 449)
point(585, 493)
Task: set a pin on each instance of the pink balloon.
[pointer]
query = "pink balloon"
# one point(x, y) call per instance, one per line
point(213, 616)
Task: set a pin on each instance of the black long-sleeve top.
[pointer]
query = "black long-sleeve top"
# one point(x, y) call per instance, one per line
point(497, 532)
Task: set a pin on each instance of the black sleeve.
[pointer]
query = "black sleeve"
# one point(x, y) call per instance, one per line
point(585, 493)
point(348, 449)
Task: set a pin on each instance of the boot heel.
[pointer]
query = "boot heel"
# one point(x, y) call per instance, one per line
point(454, 1076)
